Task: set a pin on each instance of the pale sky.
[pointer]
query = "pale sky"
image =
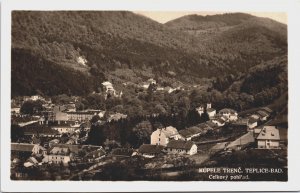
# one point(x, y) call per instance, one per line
point(165, 16)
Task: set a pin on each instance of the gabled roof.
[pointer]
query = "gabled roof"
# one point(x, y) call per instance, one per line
point(267, 109)
point(180, 144)
point(252, 120)
point(32, 160)
point(185, 133)
point(59, 150)
point(255, 116)
point(97, 153)
point(241, 121)
point(188, 132)
point(227, 110)
point(262, 113)
point(151, 149)
point(169, 131)
point(72, 148)
point(269, 133)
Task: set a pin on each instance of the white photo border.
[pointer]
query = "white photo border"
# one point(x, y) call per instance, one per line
point(291, 7)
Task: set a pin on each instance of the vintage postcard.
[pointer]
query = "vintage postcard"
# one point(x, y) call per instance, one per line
point(151, 96)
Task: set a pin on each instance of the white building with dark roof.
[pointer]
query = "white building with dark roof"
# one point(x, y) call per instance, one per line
point(252, 123)
point(218, 121)
point(162, 136)
point(200, 110)
point(230, 114)
point(268, 138)
point(181, 147)
point(210, 111)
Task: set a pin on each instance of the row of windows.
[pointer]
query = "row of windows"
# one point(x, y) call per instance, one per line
point(179, 150)
point(58, 158)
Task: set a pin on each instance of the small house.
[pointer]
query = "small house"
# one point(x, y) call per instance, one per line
point(210, 111)
point(150, 151)
point(252, 123)
point(218, 121)
point(230, 114)
point(181, 147)
point(200, 110)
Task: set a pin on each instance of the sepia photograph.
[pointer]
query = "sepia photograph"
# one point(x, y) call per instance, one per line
point(151, 96)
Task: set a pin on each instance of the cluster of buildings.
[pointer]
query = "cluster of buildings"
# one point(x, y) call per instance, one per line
point(63, 125)
point(37, 155)
point(169, 140)
point(156, 87)
point(54, 135)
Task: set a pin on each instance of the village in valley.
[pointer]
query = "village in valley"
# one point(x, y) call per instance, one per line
point(59, 140)
point(118, 96)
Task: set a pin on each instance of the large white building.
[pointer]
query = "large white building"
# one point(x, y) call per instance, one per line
point(162, 136)
point(268, 138)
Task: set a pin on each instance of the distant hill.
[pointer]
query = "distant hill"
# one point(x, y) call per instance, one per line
point(96, 45)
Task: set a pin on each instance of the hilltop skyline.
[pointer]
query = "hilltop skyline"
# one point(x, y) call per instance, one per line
point(165, 16)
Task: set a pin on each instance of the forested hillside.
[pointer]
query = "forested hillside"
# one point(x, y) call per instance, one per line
point(82, 49)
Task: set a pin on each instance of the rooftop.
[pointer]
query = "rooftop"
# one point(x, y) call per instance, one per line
point(188, 132)
point(262, 113)
point(252, 120)
point(97, 153)
point(59, 150)
point(169, 131)
point(152, 149)
point(180, 144)
point(267, 109)
point(106, 83)
point(269, 133)
point(26, 147)
point(227, 110)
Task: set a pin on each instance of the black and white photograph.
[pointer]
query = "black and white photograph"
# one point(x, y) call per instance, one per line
point(149, 96)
